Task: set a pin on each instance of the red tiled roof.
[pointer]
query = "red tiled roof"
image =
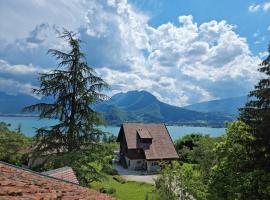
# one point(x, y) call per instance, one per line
point(64, 173)
point(18, 183)
point(161, 147)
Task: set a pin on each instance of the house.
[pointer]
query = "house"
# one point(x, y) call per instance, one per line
point(21, 183)
point(143, 146)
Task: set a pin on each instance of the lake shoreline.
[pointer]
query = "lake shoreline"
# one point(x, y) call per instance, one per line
point(188, 124)
point(29, 125)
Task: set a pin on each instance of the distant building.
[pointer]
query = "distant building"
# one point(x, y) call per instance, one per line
point(20, 183)
point(143, 146)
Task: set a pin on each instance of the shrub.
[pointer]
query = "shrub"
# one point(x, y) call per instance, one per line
point(110, 171)
point(119, 179)
point(107, 190)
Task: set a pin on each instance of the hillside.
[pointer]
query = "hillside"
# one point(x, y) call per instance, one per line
point(13, 104)
point(133, 106)
point(142, 106)
point(228, 106)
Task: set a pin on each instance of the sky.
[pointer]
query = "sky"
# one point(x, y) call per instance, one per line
point(182, 51)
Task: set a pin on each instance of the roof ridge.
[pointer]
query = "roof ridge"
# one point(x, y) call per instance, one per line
point(38, 173)
point(61, 169)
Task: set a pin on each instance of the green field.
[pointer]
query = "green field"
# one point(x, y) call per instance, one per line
point(127, 191)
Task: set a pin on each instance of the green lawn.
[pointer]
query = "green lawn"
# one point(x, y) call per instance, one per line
point(128, 191)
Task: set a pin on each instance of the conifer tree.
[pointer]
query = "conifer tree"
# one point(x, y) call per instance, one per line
point(256, 114)
point(74, 86)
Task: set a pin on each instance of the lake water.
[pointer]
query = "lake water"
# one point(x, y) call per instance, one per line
point(29, 125)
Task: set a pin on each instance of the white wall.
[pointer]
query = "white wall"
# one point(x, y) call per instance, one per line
point(135, 164)
point(152, 166)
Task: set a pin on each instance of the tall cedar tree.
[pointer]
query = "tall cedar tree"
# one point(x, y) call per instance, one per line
point(74, 86)
point(256, 114)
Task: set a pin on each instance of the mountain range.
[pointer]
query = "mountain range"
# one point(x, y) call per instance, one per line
point(227, 106)
point(142, 106)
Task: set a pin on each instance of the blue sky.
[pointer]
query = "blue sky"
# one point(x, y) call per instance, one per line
point(182, 51)
point(251, 25)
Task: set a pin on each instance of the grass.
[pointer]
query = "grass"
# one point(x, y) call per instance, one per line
point(127, 191)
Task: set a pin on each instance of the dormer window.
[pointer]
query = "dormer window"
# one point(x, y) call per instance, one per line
point(144, 136)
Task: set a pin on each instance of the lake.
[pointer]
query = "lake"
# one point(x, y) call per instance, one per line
point(29, 124)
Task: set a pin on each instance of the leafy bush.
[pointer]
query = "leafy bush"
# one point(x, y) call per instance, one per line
point(13, 146)
point(119, 179)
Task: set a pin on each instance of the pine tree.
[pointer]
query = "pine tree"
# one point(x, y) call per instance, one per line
point(256, 114)
point(75, 87)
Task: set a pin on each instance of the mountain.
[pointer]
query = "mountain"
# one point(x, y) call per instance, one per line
point(133, 106)
point(228, 106)
point(13, 104)
point(142, 106)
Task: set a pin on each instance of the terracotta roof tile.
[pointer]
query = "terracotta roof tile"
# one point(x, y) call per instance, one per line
point(162, 146)
point(18, 183)
point(64, 173)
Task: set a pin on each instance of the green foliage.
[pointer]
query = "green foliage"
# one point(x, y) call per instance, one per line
point(13, 145)
point(119, 179)
point(75, 87)
point(91, 163)
point(129, 191)
point(233, 176)
point(197, 149)
point(256, 114)
point(180, 181)
point(109, 190)
point(223, 168)
point(141, 106)
point(109, 138)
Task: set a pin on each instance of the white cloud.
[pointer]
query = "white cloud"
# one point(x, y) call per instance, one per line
point(14, 87)
point(263, 54)
point(268, 28)
point(257, 7)
point(18, 78)
point(180, 64)
point(5, 67)
point(254, 7)
point(266, 6)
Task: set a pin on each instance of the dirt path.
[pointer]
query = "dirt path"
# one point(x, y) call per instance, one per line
point(135, 175)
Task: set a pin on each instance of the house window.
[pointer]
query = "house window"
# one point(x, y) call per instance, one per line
point(139, 162)
point(129, 163)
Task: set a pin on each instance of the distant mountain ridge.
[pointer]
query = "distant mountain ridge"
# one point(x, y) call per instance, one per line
point(227, 106)
point(13, 104)
point(142, 106)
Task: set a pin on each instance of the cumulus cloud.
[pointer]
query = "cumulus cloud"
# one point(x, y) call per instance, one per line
point(179, 63)
point(20, 78)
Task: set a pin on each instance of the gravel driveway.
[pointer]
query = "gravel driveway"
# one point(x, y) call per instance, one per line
point(138, 176)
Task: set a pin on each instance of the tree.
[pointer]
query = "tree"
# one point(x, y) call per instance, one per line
point(180, 181)
point(13, 145)
point(256, 114)
point(231, 177)
point(75, 86)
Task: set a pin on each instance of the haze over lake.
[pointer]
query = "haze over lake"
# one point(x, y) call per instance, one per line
point(29, 124)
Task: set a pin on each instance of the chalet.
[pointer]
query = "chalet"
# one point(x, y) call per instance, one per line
point(142, 146)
